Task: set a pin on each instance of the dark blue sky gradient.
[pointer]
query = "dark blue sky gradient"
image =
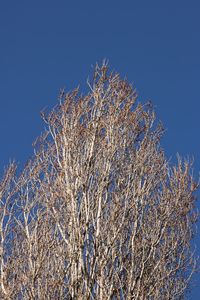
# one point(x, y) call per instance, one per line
point(48, 45)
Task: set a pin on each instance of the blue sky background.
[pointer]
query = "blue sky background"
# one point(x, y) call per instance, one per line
point(46, 45)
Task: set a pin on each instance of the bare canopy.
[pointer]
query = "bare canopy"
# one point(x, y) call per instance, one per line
point(98, 212)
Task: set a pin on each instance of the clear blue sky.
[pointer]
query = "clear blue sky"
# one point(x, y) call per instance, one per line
point(46, 45)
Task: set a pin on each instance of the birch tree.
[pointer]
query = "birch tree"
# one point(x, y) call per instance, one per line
point(98, 212)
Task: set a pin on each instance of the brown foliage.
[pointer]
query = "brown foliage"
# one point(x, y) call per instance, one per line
point(98, 212)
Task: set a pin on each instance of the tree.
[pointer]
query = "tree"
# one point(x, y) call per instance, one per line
point(98, 212)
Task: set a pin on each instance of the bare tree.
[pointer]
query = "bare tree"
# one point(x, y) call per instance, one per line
point(98, 212)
